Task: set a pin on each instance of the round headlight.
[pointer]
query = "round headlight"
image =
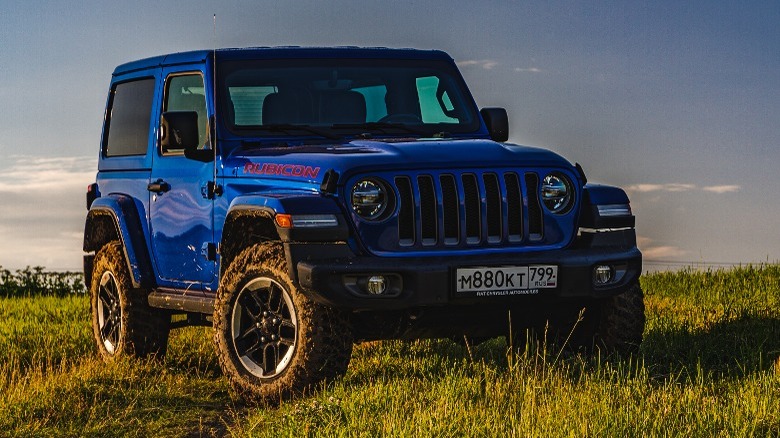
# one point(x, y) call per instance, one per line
point(557, 193)
point(369, 199)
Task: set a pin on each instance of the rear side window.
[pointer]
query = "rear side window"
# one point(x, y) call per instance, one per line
point(129, 115)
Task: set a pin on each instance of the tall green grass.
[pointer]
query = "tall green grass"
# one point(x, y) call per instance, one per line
point(708, 367)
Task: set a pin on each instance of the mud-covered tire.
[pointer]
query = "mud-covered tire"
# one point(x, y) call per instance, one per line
point(123, 323)
point(272, 341)
point(611, 325)
point(622, 322)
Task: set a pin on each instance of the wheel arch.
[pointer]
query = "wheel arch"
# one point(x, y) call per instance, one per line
point(245, 226)
point(116, 217)
point(595, 195)
point(251, 220)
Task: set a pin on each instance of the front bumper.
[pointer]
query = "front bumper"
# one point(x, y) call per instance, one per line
point(429, 281)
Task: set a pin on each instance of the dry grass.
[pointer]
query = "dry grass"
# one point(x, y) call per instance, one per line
point(710, 365)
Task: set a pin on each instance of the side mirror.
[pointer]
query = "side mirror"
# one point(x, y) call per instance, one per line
point(180, 131)
point(497, 123)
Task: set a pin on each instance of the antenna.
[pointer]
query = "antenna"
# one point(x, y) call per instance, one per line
point(214, 102)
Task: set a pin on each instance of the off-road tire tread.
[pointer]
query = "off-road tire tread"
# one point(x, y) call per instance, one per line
point(145, 329)
point(611, 325)
point(324, 340)
point(622, 322)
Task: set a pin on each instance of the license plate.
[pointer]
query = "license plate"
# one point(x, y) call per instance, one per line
point(506, 280)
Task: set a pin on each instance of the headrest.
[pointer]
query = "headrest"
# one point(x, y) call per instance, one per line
point(343, 107)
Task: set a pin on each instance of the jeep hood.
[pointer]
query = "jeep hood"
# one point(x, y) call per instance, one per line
point(310, 162)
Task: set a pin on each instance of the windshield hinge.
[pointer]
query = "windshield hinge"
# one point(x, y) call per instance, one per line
point(211, 190)
point(329, 182)
point(209, 251)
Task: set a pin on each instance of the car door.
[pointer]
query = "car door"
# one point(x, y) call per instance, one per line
point(181, 209)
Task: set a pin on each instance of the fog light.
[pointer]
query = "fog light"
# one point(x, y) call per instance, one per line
point(602, 275)
point(376, 285)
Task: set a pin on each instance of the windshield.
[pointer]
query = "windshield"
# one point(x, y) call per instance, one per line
point(338, 97)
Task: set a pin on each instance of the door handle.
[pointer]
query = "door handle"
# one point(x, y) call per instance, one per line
point(158, 186)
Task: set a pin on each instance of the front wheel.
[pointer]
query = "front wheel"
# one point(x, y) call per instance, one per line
point(622, 322)
point(612, 325)
point(272, 341)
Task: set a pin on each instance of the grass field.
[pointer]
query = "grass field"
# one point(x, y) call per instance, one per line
point(709, 366)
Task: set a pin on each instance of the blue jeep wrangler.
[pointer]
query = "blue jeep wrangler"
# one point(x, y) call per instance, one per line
point(299, 200)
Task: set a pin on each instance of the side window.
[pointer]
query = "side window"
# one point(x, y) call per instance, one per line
point(187, 93)
point(129, 114)
point(376, 108)
point(433, 109)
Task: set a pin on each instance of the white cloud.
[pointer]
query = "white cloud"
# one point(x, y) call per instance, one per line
point(642, 241)
point(487, 64)
point(671, 187)
point(42, 246)
point(678, 187)
point(36, 174)
point(658, 252)
point(722, 189)
point(42, 218)
point(662, 252)
point(644, 188)
point(528, 70)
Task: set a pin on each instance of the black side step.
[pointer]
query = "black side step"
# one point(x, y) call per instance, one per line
point(195, 302)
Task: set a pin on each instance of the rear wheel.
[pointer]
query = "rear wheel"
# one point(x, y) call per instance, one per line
point(122, 321)
point(272, 341)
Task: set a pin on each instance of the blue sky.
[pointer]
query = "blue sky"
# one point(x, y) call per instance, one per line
point(678, 102)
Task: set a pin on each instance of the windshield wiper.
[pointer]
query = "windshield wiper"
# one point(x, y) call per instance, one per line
point(287, 127)
point(379, 126)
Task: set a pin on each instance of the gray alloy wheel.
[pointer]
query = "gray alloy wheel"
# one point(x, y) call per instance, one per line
point(264, 327)
point(109, 312)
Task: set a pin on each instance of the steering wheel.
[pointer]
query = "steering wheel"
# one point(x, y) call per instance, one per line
point(400, 118)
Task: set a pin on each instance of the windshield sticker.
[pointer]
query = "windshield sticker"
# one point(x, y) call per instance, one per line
point(296, 170)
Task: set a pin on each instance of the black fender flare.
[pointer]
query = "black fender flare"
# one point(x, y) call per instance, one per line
point(117, 217)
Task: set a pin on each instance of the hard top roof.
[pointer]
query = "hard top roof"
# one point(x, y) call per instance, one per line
point(284, 52)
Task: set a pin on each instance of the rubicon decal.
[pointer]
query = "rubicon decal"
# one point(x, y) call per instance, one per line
point(296, 170)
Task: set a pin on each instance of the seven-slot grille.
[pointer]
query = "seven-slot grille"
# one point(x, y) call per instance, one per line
point(469, 208)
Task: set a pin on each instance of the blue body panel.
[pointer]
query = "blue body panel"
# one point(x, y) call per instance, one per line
point(181, 222)
point(359, 156)
point(276, 169)
point(181, 219)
